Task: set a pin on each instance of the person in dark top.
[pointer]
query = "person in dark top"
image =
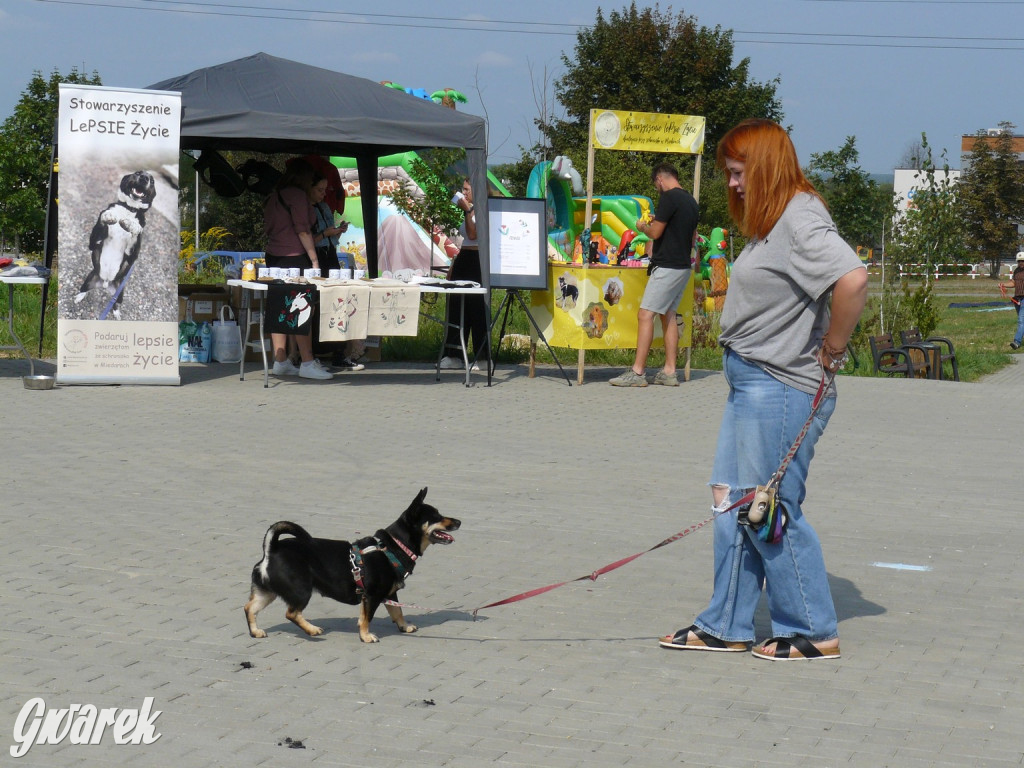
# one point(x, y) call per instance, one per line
point(1017, 284)
point(673, 232)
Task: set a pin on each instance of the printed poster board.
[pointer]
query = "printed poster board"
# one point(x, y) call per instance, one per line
point(518, 240)
point(118, 236)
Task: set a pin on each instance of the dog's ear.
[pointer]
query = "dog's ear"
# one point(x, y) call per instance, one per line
point(414, 507)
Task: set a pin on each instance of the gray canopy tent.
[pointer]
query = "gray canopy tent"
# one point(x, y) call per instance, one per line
point(266, 104)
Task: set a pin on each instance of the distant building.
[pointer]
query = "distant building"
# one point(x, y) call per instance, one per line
point(992, 135)
point(907, 181)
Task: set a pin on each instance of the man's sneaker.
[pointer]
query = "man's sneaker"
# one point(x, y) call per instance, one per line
point(1014, 345)
point(451, 363)
point(348, 364)
point(285, 368)
point(313, 370)
point(629, 379)
point(667, 379)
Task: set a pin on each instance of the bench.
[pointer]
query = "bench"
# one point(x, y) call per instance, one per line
point(891, 359)
point(912, 338)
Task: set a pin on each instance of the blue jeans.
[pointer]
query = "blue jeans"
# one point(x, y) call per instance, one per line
point(1018, 337)
point(762, 419)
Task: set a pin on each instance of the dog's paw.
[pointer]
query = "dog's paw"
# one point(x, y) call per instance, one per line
point(130, 225)
point(408, 628)
point(369, 637)
point(257, 633)
point(314, 630)
point(79, 297)
point(109, 217)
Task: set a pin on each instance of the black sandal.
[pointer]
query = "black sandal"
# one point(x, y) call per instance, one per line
point(785, 645)
point(680, 641)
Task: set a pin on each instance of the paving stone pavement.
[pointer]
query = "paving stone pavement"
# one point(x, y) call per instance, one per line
point(132, 516)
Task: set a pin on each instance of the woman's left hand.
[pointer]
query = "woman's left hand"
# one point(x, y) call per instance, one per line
point(830, 359)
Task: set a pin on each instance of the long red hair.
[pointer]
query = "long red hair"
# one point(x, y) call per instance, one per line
point(771, 170)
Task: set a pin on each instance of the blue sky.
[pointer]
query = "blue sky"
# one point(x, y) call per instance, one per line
point(880, 70)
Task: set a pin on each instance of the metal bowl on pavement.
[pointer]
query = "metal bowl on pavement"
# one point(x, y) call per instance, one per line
point(38, 382)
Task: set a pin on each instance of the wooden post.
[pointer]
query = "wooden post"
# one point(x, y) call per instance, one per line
point(587, 216)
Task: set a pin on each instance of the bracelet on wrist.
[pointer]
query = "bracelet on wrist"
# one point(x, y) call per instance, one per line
point(834, 352)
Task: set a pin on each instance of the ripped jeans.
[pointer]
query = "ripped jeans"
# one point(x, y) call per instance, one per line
point(762, 418)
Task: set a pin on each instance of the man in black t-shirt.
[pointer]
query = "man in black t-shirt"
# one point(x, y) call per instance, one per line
point(673, 232)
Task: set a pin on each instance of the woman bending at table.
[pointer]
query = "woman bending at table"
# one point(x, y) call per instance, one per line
point(288, 221)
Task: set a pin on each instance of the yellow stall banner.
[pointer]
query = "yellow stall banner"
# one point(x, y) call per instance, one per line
point(646, 131)
point(595, 308)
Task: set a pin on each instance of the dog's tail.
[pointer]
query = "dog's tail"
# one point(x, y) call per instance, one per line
point(259, 571)
point(275, 531)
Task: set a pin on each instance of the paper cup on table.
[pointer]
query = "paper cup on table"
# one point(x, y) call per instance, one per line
point(311, 273)
point(345, 274)
point(294, 271)
point(358, 274)
point(263, 273)
point(334, 274)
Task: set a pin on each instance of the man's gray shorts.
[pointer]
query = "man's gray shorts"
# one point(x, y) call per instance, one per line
point(664, 290)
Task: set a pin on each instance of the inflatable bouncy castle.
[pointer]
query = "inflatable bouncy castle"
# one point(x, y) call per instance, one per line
point(614, 216)
point(714, 268)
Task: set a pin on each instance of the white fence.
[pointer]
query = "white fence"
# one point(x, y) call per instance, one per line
point(934, 270)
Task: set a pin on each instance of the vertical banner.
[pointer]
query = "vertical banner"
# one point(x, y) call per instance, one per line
point(118, 236)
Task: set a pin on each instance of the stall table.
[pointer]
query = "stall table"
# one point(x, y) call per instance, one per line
point(12, 281)
point(251, 288)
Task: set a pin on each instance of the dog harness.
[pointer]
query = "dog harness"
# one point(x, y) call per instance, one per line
point(355, 557)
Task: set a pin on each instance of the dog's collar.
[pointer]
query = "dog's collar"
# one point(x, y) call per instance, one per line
point(401, 545)
point(396, 562)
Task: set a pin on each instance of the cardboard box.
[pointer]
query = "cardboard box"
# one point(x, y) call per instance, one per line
point(203, 306)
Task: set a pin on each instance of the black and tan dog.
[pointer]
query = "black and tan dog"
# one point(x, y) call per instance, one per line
point(365, 572)
point(116, 238)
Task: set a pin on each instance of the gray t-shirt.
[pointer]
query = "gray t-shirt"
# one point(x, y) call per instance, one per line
point(776, 309)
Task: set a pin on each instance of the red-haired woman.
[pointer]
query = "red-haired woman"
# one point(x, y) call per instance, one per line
point(779, 337)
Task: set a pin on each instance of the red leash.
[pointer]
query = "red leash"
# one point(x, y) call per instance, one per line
point(618, 563)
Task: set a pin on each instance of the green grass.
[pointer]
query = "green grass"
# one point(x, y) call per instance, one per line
point(981, 338)
point(26, 319)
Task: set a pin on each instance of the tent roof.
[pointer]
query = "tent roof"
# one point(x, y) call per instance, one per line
point(266, 104)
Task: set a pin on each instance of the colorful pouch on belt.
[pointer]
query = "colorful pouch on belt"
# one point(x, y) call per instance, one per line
point(765, 514)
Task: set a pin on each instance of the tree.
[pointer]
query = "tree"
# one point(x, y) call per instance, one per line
point(649, 61)
point(437, 174)
point(26, 140)
point(912, 156)
point(992, 191)
point(932, 230)
point(858, 205)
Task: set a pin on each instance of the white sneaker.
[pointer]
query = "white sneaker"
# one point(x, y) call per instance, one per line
point(475, 367)
point(285, 368)
point(451, 363)
point(314, 370)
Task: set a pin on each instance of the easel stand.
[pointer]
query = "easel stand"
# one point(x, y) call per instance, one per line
point(506, 303)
